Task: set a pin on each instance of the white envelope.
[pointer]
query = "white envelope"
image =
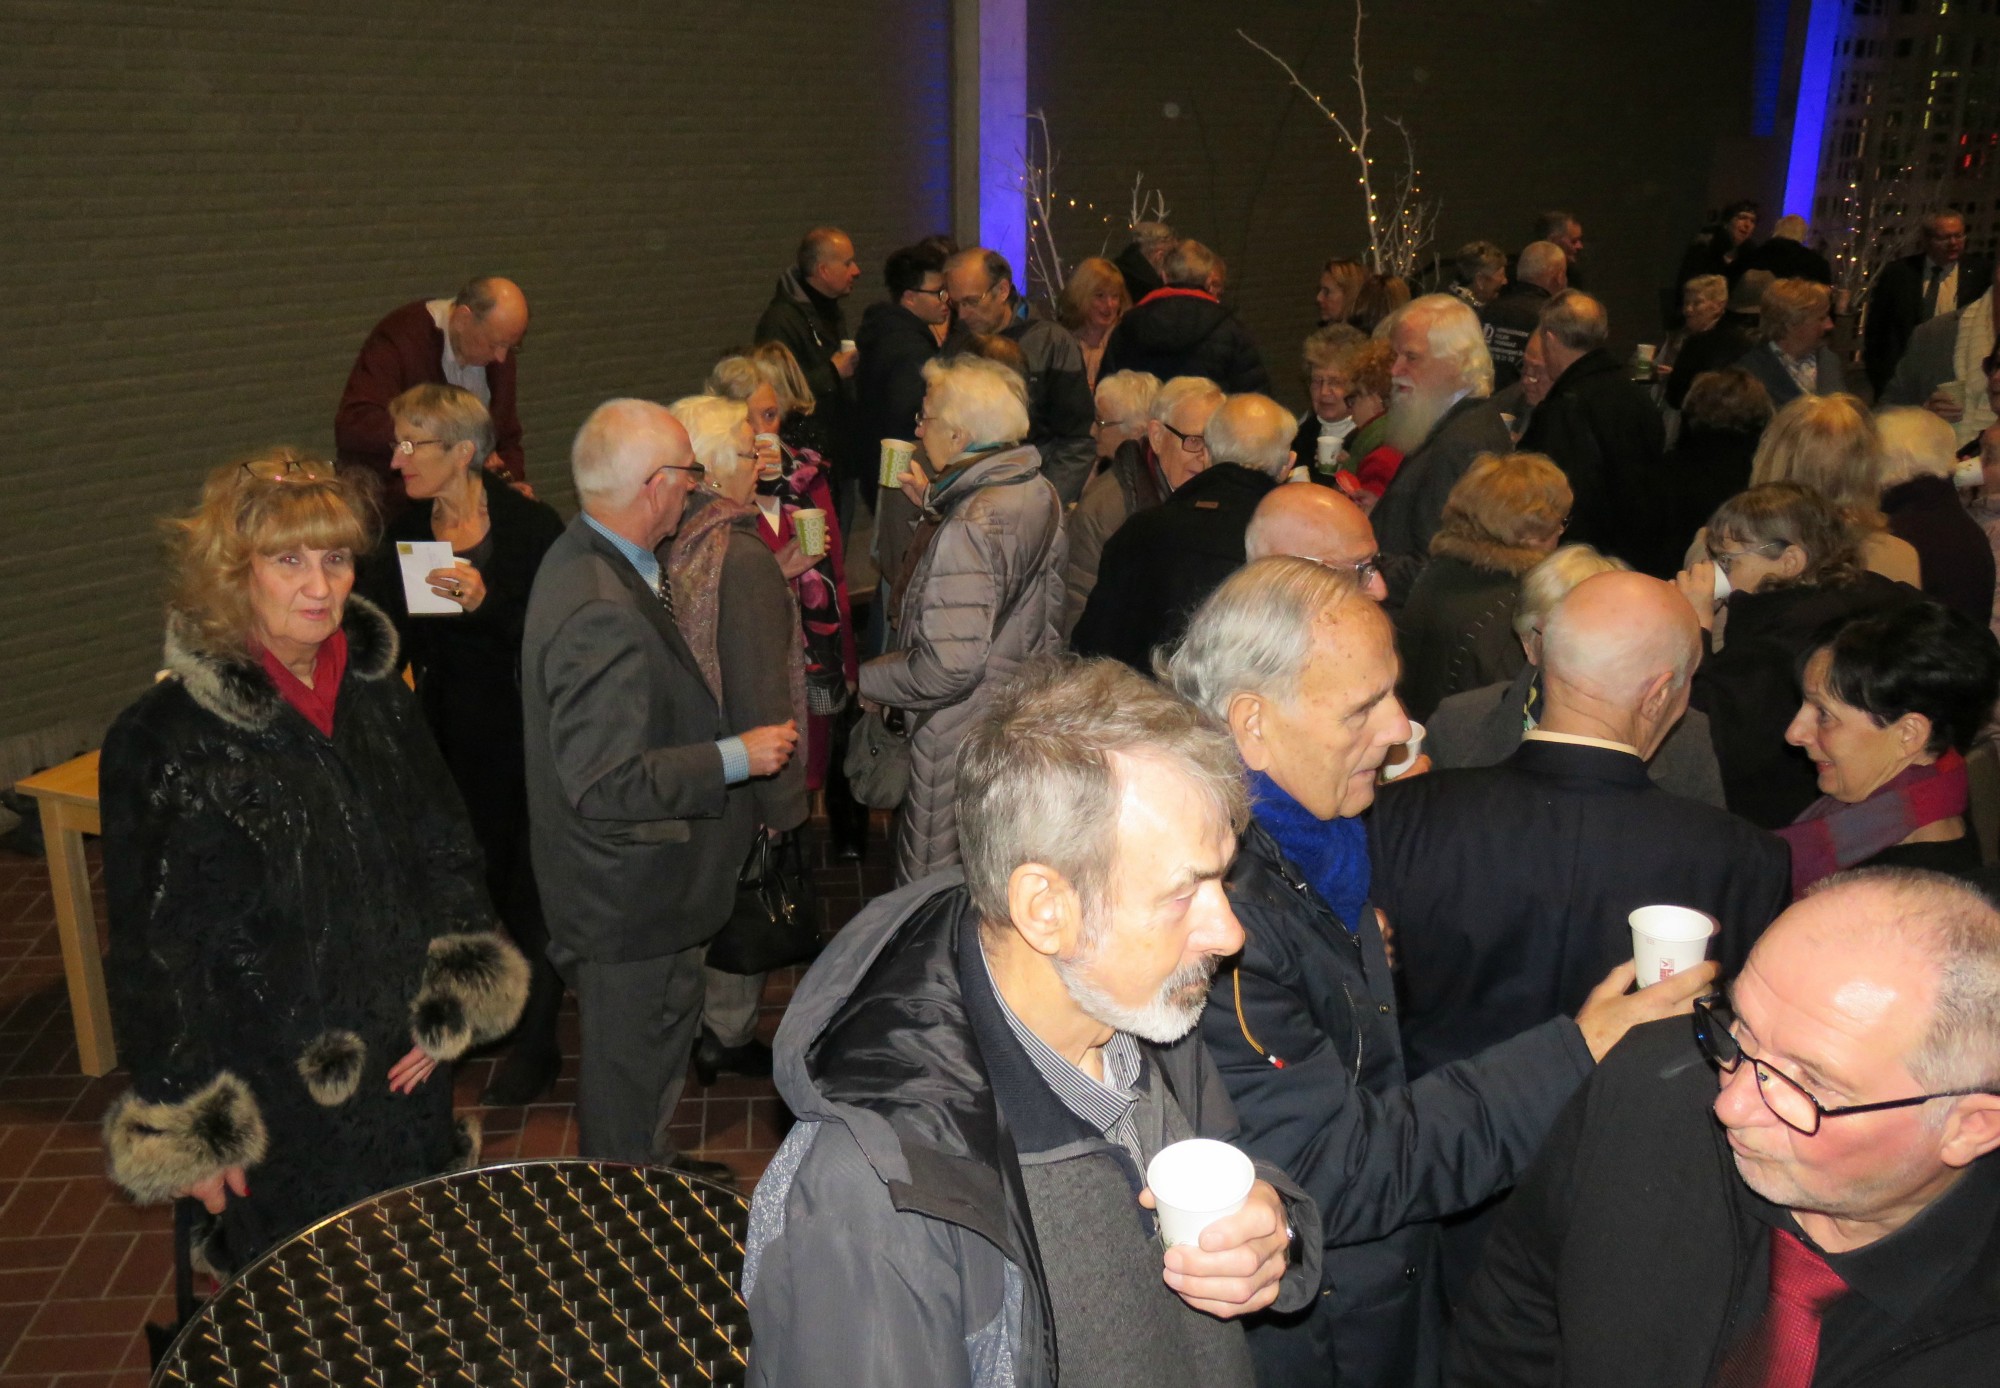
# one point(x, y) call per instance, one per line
point(418, 558)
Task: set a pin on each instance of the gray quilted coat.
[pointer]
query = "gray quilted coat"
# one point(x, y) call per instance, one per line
point(987, 596)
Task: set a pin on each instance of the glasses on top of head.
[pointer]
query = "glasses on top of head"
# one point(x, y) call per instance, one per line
point(1789, 1101)
point(284, 469)
point(1193, 443)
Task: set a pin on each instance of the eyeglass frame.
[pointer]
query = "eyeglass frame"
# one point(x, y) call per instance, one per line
point(1712, 1008)
point(1190, 443)
point(696, 468)
point(1725, 561)
point(312, 469)
point(408, 447)
point(942, 293)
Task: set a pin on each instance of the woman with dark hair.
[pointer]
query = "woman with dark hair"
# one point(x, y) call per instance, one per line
point(1892, 704)
point(1719, 249)
point(1782, 563)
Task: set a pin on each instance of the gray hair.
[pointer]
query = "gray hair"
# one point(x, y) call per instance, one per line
point(1182, 389)
point(1189, 266)
point(981, 397)
point(1790, 227)
point(1126, 397)
point(1151, 236)
point(711, 421)
point(1254, 635)
point(1253, 431)
point(816, 247)
point(1915, 443)
point(1475, 257)
point(1959, 929)
point(1037, 782)
point(478, 295)
point(737, 377)
point(1792, 303)
point(449, 414)
point(1538, 260)
point(1576, 320)
point(1454, 334)
point(1707, 289)
point(1549, 582)
point(617, 449)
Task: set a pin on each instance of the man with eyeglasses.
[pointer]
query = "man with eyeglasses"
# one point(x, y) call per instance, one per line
point(468, 341)
point(1798, 1190)
point(1320, 524)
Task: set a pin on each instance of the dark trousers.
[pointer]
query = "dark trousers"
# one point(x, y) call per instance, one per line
point(639, 1024)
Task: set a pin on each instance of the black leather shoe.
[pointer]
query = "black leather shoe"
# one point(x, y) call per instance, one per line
point(527, 1074)
point(704, 1170)
point(712, 1059)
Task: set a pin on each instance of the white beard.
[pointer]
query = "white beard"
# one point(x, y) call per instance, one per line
point(1170, 1015)
point(1414, 413)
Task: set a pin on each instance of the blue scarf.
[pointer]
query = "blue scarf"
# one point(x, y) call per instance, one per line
point(1333, 854)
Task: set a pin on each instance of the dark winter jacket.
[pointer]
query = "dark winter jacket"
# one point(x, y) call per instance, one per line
point(1303, 1027)
point(1784, 259)
point(889, 380)
point(1604, 431)
point(1621, 1260)
point(1719, 347)
point(289, 913)
point(1509, 321)
point(1141, 278)
point(1412, 506)
point(812, 326)
point(1456, 632)
point(1126, 483)
point(1957, 562)
point(1162, 564)
point(1186, 332)
point(1060, 407)
point(891, 1240)
point(1761, 360)
point(1703, 469)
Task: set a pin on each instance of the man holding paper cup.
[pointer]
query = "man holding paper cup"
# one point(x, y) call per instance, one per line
point(988, 1069)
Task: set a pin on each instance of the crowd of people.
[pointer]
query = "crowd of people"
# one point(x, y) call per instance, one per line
point(1282, 779)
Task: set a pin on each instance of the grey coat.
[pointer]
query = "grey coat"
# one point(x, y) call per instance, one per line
point(986, 597)
point(1123, 487)
point(1412, 506)
point(1760, 361)
point(637, 842)
point(1482, 727)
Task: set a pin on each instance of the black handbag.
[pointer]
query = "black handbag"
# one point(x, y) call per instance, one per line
point(776, 920)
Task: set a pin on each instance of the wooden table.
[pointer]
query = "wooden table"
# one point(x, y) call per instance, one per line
point(67, 797)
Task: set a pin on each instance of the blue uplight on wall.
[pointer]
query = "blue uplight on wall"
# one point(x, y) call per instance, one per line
point(1809, 118)
point(1003, 130)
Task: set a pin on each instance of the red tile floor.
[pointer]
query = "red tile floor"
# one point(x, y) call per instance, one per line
point(82, 1269)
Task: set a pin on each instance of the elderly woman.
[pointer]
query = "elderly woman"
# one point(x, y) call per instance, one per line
point(1370, 460)
point(1703, 299)
point(1456, 632)
point(738, 616)
point(1795, 318)
point(1782, 562)
point(1128, 479)
point(1892, 704)
point(1324, 368)
point(984, 595)
point(466, 665)
point(1830, 444)
point(1093, 299)
point(300, 942)
point(1922, 507)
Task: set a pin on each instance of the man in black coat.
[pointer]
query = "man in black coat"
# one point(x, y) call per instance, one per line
point(1600, 427)
point(1512, 317)
point(1771, 1230)
point(1162, 562)
point(1140, 261)
point(1302, 1024)
point(1184, 329)
point(1786, 255)
point(805, 314)
point(1912, 291)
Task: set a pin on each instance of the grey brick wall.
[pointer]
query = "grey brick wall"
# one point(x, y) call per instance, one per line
point(206, 203)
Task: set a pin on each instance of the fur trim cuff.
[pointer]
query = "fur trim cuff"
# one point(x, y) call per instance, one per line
point(474, 987)
point(331, 1067)
point(466, 1138)
point(159, 1150)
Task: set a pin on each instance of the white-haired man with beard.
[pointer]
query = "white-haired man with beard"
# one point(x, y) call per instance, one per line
point(1441, 418)
point(983, 1065)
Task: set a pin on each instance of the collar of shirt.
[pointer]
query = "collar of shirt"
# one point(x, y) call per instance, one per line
point(456, 372)
point(1579, 740)
point(1102, 1105)
point(644, 560)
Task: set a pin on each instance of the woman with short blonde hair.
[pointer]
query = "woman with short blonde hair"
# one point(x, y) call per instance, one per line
point(1830, 445)
point(1093, 300)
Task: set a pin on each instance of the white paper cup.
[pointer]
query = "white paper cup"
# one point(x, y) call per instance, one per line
point(1327, 452)
point(897, 454)
point(847, 344)
point(1196, 1183)
point(1668, 940)
point(809, 524)
point(1721, 583)
point(1643, 353)
point(1402, 758)
point(1968, 475)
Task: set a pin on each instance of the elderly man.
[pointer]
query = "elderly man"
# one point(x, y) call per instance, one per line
point(1319, 524)
point(639, 815)
point(1137, 473)
point(1441, 419)
point(1479, 273)
point(1298, 663)
point(1786, 254)
point(1600, 427)
point(1816, 1204)
point(1912, 291)
point(805, 314)
point(1793, 358)
point(1159, 566)
point(1184, 328)
point(982, 1069)
point(981, 284)
point(1942, 368)
point(466, 341)
point(1515, 312)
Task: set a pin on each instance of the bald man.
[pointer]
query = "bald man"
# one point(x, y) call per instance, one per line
point(1320, 524)
point(468, 341)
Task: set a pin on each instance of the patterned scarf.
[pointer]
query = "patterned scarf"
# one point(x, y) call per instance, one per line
point(694, 567)
point(1831, 834)
point(1333, 853)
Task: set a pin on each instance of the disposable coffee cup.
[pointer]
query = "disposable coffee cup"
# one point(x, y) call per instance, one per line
point(809, 524)
point(897, 454)
point(1969, 475)
point(1668, 940)
point(1402, 758)
point(1721, 584)
point(847, 344)
point(1327, 452)
point(767, 445)
point(1196, 1183)
point(1643, 353)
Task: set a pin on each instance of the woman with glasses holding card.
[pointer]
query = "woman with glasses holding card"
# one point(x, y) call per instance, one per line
point(485, 542)
point(300, 942)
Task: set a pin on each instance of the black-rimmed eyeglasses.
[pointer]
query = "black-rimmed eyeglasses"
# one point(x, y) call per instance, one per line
point(1192, 443)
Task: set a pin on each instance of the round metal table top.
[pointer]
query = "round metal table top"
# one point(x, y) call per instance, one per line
point(538, 1272)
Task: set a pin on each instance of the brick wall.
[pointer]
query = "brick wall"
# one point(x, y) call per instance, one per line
point(1613, 108)
point(206, 205)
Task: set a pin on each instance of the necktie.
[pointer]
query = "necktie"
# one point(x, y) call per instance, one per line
point(1783, 1349)
point(666, 591)
point(1931, 288)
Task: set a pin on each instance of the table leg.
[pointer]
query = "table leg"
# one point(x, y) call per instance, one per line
point(76, 927)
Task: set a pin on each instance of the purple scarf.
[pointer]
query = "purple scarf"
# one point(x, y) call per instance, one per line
point(1831, 834)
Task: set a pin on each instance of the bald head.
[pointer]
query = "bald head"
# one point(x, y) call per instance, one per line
point(1543, 263)
point(621, 445)
point(1317, 523)
point(1253, 431)
point(1617, 652)
point(489, 317)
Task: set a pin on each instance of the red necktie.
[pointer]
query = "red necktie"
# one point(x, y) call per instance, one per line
point(1783, 1350)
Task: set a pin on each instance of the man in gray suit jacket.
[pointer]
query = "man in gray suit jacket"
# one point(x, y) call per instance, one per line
point(639, 814)
point(1946, 352)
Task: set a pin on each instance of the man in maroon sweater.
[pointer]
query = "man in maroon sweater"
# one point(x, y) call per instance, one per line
point(467, 341)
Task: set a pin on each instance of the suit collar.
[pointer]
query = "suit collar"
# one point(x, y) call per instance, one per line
point(1571, 759)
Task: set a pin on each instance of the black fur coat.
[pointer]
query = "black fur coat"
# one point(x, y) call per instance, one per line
point(288, 914)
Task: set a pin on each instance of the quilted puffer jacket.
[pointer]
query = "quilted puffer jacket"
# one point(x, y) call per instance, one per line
point(986, 596)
